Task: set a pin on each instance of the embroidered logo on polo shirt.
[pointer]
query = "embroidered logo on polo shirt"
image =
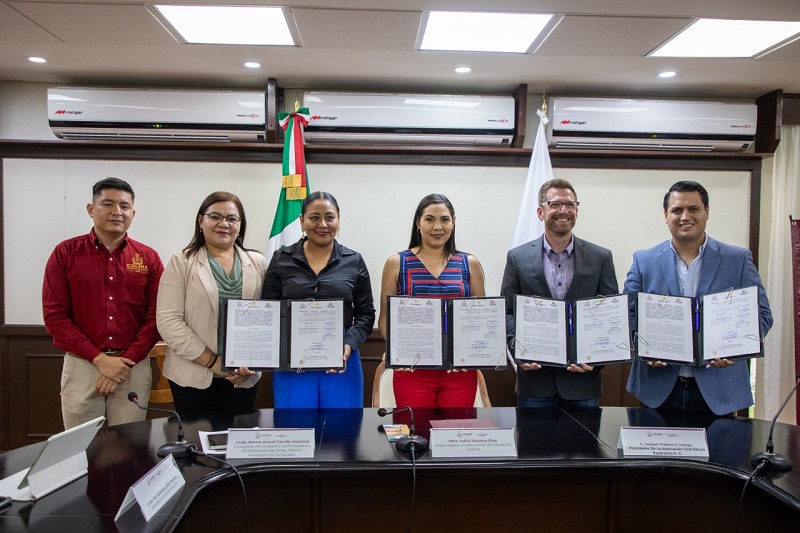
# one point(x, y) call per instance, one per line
point(137, 265)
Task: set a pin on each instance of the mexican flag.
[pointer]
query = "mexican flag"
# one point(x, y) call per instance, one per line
point(294, 185)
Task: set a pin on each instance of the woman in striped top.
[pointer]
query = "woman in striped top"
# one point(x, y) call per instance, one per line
point(432, 267)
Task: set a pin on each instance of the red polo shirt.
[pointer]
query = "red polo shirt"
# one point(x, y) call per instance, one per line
point(95, 300)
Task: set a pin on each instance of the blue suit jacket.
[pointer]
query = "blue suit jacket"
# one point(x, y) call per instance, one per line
point(725, 390)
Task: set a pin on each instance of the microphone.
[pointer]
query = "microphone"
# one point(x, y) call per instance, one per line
point(179, 448)
point(774, 461)
point(412, 442)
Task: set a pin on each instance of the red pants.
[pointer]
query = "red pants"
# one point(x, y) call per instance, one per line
point(435, 388)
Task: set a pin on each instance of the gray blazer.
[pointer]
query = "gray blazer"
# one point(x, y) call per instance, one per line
point(524, 274)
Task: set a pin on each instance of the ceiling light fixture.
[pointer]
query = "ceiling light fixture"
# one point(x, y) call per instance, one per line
point(463, 70)
point(252, 64)
point(667, 74)
point(34, 59)
point(482, 32)
point(728, 38)
point(249, 25)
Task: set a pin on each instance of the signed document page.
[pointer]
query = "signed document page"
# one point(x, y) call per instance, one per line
point(731, 324)
point(415, 332)
point(665, 330)
point(479, 332)
point(541, 334)
point(252, 334)
point(602, 330)
point(317, 339)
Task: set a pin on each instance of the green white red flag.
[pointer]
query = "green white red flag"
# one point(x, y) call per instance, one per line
point(294, 183)
point(528, 225)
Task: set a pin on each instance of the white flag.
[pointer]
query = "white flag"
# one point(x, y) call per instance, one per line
point(540, 170)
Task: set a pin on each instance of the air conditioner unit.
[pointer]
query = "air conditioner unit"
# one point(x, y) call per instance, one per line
point(415, 119)
point(153, 114)
point(620, 124)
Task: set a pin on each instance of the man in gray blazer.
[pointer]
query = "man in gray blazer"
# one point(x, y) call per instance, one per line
point(693, 264)
point(561, 266)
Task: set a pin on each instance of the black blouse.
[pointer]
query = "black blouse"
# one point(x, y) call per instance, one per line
point(289, 277)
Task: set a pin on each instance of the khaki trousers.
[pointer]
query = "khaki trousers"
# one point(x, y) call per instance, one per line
point(80, 402)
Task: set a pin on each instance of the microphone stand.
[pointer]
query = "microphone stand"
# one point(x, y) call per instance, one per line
point(412, 442)
point(775, 462)
point(180, 448)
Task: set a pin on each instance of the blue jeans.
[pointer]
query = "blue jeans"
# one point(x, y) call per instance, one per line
point(687, 398)
point(554, 402)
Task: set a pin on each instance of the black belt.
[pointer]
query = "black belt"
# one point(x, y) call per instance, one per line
point(114, 353)
point(687, 379)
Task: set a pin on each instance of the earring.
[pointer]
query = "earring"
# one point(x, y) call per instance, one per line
point(304, 234)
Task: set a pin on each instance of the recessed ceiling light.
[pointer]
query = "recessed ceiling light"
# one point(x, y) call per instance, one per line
point(34, 59)
point(727, 38)
point(229, 25)
point(463, 70)
point(667, 74)
point(252, 64)
point(482, 32)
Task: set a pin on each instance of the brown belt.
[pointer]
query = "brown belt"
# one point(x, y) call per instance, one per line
point(114, 353)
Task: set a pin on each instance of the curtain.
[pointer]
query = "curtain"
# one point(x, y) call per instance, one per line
point(776, 370)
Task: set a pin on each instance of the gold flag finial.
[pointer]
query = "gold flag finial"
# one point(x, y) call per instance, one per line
point(544, 104)
point(296, 104)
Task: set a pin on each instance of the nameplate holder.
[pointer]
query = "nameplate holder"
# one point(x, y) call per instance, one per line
point(663, 442)
point(153, 489)
point(278, 443)
point(483, 442)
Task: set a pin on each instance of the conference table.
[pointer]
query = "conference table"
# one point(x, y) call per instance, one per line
point(568, 476)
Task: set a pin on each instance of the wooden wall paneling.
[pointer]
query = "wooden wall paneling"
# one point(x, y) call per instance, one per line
point(768, 127)
point(791, 109)
point(521, 114)
point(4, 352)
point(4, 380)
point(34, 403)
point(271, 108)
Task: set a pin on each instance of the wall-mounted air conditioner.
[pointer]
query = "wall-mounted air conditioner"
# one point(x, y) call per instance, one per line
point(641, 124)
point(153, 114)
point(415, 119)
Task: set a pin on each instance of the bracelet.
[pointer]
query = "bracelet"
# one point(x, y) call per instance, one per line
point(213, 361)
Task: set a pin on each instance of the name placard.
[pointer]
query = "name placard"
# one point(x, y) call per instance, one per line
point(663, 442)
point(484, 442)
point(153, 490)
point(259, 443)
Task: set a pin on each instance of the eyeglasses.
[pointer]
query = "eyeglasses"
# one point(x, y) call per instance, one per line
point(217, 218)
point(555, 204)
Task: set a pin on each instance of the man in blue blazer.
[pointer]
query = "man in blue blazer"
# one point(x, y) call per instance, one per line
point(562, 266)
point(693, 264)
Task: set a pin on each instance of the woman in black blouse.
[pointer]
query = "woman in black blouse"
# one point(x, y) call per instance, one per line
point(318, 267)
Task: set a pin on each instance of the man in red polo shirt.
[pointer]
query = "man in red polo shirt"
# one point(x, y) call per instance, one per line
point(99, 304)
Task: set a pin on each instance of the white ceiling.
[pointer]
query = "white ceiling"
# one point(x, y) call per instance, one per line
point(598, 49)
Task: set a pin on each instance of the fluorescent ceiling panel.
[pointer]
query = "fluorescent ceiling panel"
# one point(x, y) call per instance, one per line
point(229, 25)
point(727, 38)
point(482, 32)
